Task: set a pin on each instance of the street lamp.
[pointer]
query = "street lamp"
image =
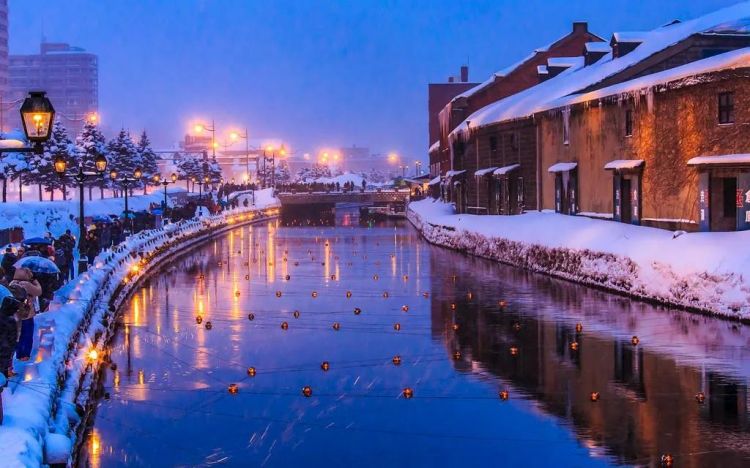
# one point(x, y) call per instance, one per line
point(37, 115)
point(418, 168)
point(126, 182)
point(200, 127)
point(172, 179)
point(61, 166)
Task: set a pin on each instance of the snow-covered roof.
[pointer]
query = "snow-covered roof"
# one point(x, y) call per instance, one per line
point(434, 181)
point(740, 27)
point(11, 144)
point(562, 167)
point(565, 62)
point(631, 36)
point(434, 147)
point(452, 173)
point(506, 169)
point(484, 172)
point(538, 98)
point(598, 47)
point(619, 164)
point(739, 58)
point(724, 159)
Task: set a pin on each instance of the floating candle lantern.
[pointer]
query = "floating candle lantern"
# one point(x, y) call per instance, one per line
point(251, 317)
point(233, 388)
point(336, 326)
point(397, 326)
point(504, 395)
point(325, 366)
point(284, 325)
point(574, 346)
point(579, 328)
point(634, 341)
point(307, 391)
point(407, 393)
point(357, 311)
point(396, 360)
point(208, 325)
point(595, 396)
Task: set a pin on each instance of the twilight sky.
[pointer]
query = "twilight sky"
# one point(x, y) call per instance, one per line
point(313, 73)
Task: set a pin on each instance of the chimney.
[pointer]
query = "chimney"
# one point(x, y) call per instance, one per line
point(580, 27)
point(450, 79)
point(465, 74)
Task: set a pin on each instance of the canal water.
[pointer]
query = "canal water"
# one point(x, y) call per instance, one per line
point(390, 316)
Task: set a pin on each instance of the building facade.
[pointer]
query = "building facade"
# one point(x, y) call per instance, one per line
point(68, 74)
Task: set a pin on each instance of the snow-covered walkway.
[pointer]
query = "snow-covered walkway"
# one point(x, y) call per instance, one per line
point(43, 404)
point(704, 271)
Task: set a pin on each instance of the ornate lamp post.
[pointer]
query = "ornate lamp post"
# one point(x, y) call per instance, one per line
point(172, 179)
point(126, 182)
point(234, 136)
point(201, 126)
point(61, 166)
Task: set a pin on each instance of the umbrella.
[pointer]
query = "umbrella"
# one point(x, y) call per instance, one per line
point(101, 219)
point(129, 214)
point(37, 265)
point(37, 241)
point(156, 211)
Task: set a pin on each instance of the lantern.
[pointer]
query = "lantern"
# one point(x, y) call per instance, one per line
point(425, 294)
point(247, 277)
point(385, 295)
point(237, 294)
point(357, 311)
point(315, 294)
point(502, 303)
point(453, 306)
point(504, 395)
point(199, 320)
point(325, 366)
point(595, 396)
point(251, 371)
point(405, 308)
point(667, 460)
point(137, 173)
point(397, 326)
point(396, 360)
point(700, 397)
point(61, 165)
point(514, 351)
point(100, 164)
point(37, 115)
point(93, 355)
point(457, 355)
point(284, 325)
point(233, 388)
point(348, 294)
point(173, 177)
point(208, 325)
point(336, 326)
point(634, 341)
point(251, 317)
point(455, 327)
point(296, 314)
point(278, 293)
point(407, 393)
point(579, 328)
point(574, 346)
point(307, 391)
point(333, 277)
point(406, 277)
point(375, 277)
point(516, 327)
point(288, 277)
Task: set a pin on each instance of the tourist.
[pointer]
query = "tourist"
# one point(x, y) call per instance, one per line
point(61, 260)
point(8, 331)
point(9, 259)
point(24, 279)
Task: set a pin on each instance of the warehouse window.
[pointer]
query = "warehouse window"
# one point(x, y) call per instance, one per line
point(726, 108)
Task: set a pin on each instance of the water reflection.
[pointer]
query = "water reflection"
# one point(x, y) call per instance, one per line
point(468, 330)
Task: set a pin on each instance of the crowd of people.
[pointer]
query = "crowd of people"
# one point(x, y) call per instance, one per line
point(322, 187)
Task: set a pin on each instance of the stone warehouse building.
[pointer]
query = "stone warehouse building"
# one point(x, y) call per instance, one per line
point(538, 148)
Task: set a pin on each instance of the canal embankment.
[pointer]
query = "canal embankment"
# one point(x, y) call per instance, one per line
point(46, 404)
point(702, 272)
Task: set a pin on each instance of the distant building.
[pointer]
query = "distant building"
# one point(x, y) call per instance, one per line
point(69, 75)
point(3, 57)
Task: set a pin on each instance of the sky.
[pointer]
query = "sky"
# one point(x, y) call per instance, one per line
point(315, 74)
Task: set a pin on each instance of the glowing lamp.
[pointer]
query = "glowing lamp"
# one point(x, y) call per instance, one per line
point(61, 165)
point(504, 395)
point(278, 293)
point(453, 306)
point(385, 295)
point(574, 346)
point(93, 355)
point(251, 371)
point(251, 317)
point(348, 294)
point(284, 326)
point(502, 303)
point(408, 393)
point(595, 396)
point(667, 460)
point(634, 341)
point(314, 294)
point(455, 327)
point(138, 173)
point(233, 388)
point(325, 366)
point(307, 391)
point(397, 326)
point(173, 177)
point(199, 320)
point(514, 351)
point(208, 325)
point(37, 115)
point(296, 314)
point(336, 326)
point(457, 355)
point(375, 277)
point(357, 311)
point(579, 328)
point(700, 397)
point(516, 327)
point(396, 360)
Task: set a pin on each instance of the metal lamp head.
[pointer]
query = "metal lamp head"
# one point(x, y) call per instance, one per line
point(100, 163)
point(61, 165)
point(37, 115)
point(137, 173)
point(174, 177)
point(113, 174)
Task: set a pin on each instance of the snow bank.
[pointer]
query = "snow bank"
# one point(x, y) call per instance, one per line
point(36, 218)
point(45, 406)
point(702, 271)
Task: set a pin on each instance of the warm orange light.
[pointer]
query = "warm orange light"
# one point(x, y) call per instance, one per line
point(93, 117)
point(234, 136)
point(198, 128)
point(93, 355)
point(392, 158)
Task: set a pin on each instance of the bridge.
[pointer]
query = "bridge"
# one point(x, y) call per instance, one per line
point(369, 197)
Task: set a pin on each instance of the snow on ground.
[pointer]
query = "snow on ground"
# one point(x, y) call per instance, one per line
point(42, 403)
point(36, 218)
point(705, 271)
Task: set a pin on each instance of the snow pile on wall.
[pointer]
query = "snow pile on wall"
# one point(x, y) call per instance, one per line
point(703, 271)
point(44, 406)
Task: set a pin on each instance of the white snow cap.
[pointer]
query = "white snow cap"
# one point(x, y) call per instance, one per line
point(484, 172)
point(631, 36)
point(565, 62)
point(618, 164)
point(598, 46)
point(539, 98)
point(453, 173)
point(724, 159)
point(434, 147)
point(506, 169)
point(434, 181)
point(562, 167)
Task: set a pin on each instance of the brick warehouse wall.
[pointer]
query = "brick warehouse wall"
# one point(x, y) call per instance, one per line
point(682, 124)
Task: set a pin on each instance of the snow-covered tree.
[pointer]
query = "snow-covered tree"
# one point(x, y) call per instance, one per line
point(189, 166)
point(308, 174)
point(124, 158)
point(41, 166)
point(148, 159)
point(213, 171)
point(283, 175)
point(11, 165)
point(90, 144)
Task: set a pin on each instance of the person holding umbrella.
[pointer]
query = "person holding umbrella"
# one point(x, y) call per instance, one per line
point(24, 279)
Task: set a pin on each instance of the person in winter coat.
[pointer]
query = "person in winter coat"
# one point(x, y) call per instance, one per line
point(9, 259)
point(24, 278)
point(8, 336)
point(92, 247)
